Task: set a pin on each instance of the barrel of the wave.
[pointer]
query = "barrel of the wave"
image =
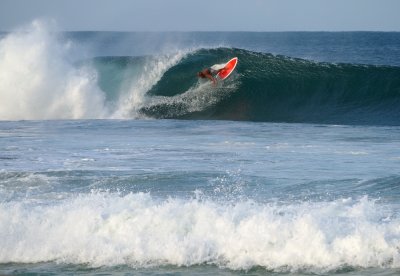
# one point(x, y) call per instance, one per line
point(228, 69)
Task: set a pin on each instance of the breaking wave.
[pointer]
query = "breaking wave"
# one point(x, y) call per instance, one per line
point(39, 81)
point(107, 229)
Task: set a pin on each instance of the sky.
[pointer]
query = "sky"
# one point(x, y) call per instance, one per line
point(205, 15)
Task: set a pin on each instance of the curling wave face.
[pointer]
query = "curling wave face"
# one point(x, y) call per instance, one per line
point(282, 89)
point(264, 87)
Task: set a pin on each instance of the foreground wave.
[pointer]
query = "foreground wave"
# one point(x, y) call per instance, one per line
point(105, 229)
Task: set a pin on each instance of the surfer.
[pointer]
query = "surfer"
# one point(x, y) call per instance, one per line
point(209, 73)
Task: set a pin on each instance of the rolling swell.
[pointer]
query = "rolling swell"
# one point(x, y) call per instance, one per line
point(277, 89)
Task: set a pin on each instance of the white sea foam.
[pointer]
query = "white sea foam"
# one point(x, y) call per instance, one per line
point(38, 81)
point(135, 97)
point(197, 98)
point(105, 229)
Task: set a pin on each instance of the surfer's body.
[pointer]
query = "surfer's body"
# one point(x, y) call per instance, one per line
point(211, 72)
point(222, 71)
point(206, 73)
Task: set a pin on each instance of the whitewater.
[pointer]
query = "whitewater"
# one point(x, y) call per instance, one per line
point(41, 79)
point(116, 159)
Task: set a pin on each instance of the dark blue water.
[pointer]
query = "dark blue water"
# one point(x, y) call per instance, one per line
point(115, 159)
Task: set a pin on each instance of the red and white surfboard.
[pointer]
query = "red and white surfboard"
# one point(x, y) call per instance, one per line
point(228, 69)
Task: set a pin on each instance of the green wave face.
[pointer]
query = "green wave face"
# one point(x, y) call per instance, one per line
point(272, 88)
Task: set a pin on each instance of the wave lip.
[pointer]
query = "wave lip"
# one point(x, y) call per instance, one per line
point(104, 229)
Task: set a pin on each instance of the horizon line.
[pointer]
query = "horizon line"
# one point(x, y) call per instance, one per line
point(224, 31)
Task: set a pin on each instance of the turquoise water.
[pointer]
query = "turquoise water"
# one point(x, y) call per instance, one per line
point(290, 167)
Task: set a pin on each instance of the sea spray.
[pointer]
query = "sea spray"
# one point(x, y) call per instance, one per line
point(38, 81)
point(135, 97)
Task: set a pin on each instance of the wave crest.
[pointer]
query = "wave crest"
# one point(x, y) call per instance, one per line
point(105, 229)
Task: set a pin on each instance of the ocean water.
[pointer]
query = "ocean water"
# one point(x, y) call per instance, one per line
point(116, 160)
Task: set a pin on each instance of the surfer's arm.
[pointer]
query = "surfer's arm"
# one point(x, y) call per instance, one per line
point(211, 78)
point(208, 75)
